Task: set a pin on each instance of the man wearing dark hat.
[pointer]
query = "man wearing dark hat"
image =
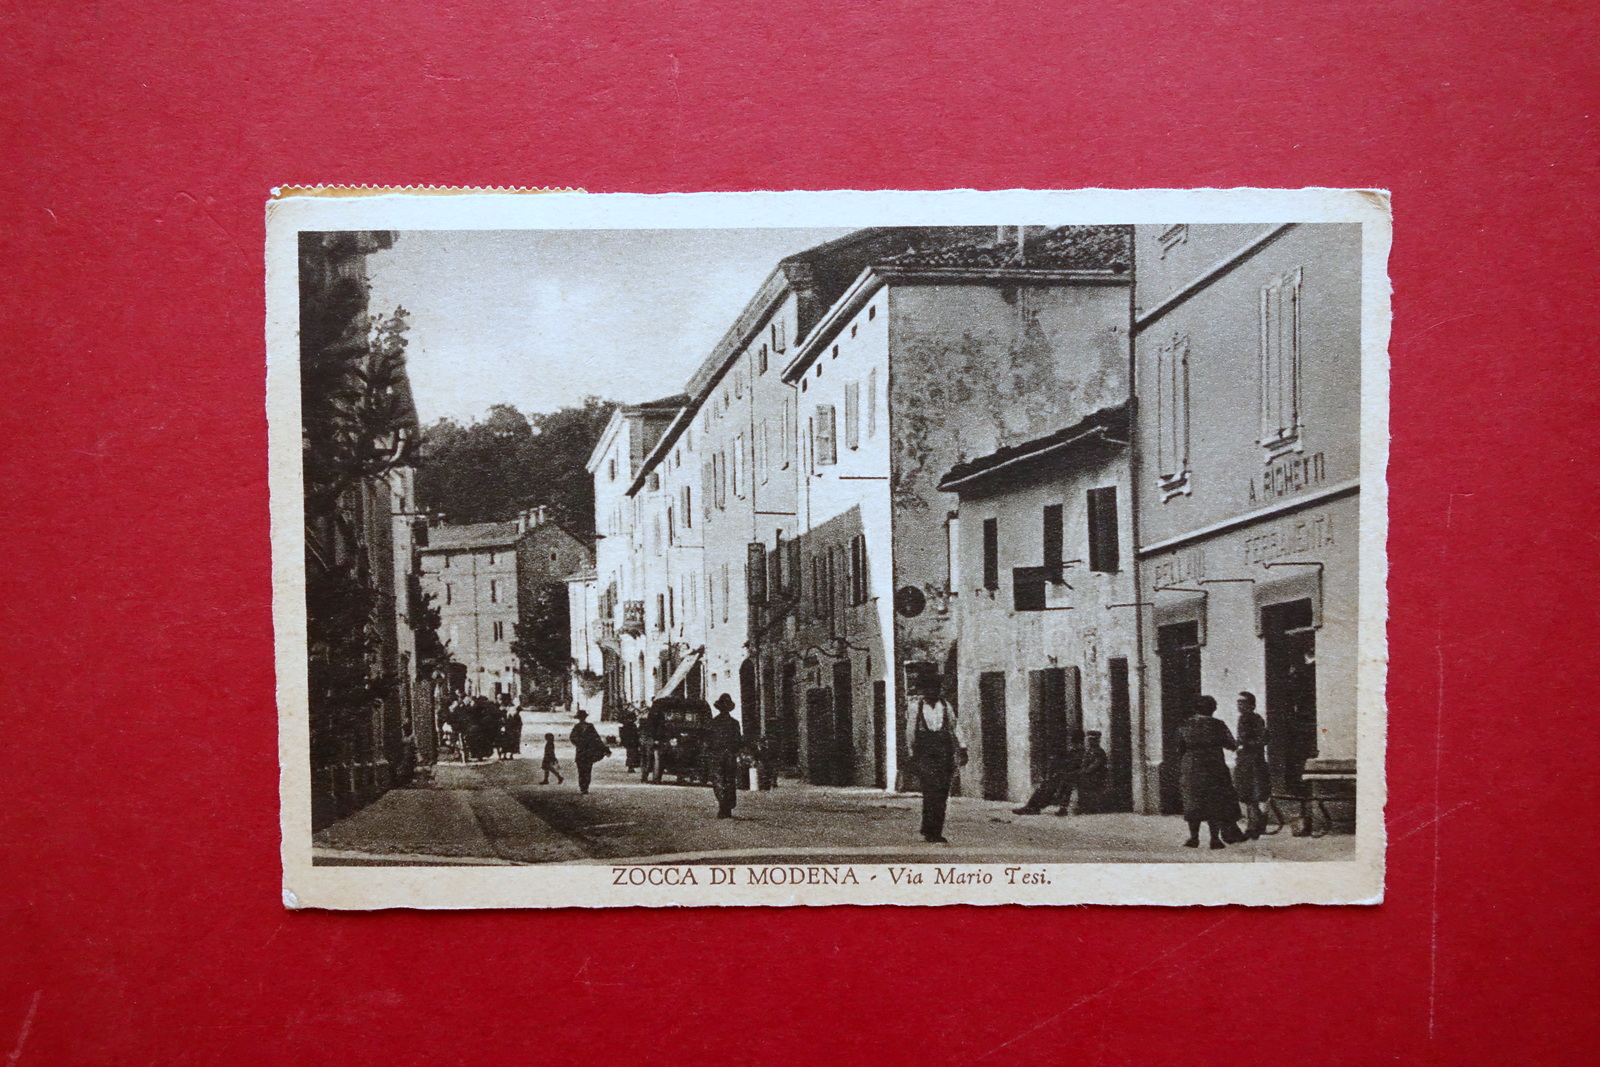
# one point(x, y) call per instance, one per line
point(588, 749)
point(722, 755)
point(935, 754)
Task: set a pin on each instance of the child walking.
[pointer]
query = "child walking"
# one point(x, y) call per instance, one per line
point(551, 764)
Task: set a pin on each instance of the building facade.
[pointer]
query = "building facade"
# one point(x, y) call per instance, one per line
point(1248, 369)
point(1042, 572)
point(1076, 475)
point(470, 571)
point(622, 550)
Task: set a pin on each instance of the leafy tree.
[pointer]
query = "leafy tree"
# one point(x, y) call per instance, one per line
point(357, 418)
point(491, 469)
point(543, 646)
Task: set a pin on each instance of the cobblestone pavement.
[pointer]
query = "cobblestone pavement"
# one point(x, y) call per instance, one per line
point(499, 813)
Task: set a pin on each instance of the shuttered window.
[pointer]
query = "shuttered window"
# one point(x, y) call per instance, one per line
point(1104, 554)
point(1053, 538)
point(991, 554)
point(852, 415)
point(825, 443)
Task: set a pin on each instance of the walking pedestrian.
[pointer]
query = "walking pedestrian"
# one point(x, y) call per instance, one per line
point(550, 764)
point(588, 749)
point(1251, 779)
point(1203, 778)
point(628, 734)
point(935, 754)
point(722, 754)
point(1060, 779)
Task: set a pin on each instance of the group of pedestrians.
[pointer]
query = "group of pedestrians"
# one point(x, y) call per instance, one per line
point(483, 729)
point(1211, 795)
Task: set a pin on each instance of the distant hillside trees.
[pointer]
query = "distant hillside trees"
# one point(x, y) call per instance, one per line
point(490, 470)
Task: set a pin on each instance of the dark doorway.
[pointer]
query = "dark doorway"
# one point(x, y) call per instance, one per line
point(694, 685)
point(749, 699)
point(1053, 709)
point(1178, 646)
point(992, 733)
point(844, 721)
point(1291, 650)
point(788, 720)
point(819, 736)
point(1119, 745)
point(880, 735)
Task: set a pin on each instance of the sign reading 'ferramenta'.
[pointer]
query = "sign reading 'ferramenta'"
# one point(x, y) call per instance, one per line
point(1304, 533)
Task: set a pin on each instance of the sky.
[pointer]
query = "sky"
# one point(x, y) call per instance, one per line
point(542, 318)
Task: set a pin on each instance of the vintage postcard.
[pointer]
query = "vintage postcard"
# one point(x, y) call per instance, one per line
point(829, 548)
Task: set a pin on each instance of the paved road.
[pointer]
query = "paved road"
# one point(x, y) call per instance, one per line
point(498, 812)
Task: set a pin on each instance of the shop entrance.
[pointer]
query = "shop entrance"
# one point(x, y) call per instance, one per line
point(1178, 645)
point(1291, 653)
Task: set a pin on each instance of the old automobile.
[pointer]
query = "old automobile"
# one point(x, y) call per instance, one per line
point(674, 735)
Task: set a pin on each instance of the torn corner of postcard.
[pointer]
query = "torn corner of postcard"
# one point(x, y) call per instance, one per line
point(829, 548)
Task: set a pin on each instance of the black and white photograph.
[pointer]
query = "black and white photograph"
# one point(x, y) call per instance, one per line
point(830, 548)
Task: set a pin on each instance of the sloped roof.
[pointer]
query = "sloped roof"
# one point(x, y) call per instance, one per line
point(1062, 248)
point(471, 536)
point(1108, 425)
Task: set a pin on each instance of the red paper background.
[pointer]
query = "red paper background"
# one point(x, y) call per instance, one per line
point(139, 912)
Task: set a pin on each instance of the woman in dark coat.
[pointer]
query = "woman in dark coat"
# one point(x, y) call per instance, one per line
point(1250, 778)
point(511, 738)
point(1208, 795)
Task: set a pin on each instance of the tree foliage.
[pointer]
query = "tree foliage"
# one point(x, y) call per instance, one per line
point(491, 469)
point(543, 646)
point(356, 412)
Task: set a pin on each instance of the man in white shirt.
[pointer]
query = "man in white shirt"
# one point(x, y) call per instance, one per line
point(934, 754)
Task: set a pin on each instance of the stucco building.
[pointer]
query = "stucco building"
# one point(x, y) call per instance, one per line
point(1248, 369)
point(1042, 572)
point(621, 549)
point(470, 571)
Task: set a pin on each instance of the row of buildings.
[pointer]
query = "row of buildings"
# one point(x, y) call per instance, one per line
point(1076, 475)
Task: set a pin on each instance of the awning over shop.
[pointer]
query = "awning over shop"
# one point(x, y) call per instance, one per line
point(681, 673)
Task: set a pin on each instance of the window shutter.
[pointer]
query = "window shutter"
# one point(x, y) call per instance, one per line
point(852, 415)
point(991, 554)
point(1104, 552)
point(1053, 538)
point(826, 444)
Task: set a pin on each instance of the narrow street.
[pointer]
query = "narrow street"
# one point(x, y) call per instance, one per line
point(499, 813)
